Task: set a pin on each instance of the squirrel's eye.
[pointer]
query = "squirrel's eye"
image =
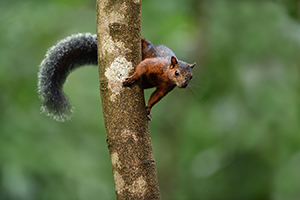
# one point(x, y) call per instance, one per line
point(176, 73)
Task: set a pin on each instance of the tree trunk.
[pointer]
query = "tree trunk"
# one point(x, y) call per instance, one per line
point(127, 130)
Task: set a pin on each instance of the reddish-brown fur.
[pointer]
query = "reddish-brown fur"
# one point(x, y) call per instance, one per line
point(161, 69)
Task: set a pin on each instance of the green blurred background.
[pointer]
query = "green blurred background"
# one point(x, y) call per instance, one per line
point(233, 134)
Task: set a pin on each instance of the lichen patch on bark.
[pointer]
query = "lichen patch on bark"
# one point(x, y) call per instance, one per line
point(126, 134)
point(118, 70)
point(119, 181)
point(136, 1)
point(138, 187)
point(115, 160)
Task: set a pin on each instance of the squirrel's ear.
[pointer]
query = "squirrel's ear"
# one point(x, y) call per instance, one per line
point(145, 42)
point(174, 62)
point(192, 65)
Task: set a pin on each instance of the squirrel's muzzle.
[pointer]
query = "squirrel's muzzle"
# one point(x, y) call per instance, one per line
point(183, 85)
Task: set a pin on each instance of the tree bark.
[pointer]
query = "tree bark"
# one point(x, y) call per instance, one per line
point(127, 130)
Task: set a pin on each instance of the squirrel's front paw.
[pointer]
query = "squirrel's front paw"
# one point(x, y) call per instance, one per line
point(149, 116)
point(128, 82)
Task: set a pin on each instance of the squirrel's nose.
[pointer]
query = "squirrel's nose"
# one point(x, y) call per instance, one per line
point(184, 85)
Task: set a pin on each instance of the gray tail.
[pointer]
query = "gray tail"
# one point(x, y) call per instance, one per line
point(61, 59)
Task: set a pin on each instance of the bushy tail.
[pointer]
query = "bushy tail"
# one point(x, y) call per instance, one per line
point(68, 54)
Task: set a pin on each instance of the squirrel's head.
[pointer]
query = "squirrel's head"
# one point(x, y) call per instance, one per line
point(180, 72)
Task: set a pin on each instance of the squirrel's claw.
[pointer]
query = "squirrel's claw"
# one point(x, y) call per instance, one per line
point(149, 116)
point(127, 82)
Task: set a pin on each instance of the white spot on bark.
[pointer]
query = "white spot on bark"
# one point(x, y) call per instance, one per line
point(127, 133)
point(115, 48)
point(134, 137)
point(116, 73)
point(136, 1)
point(138, 187)
point(119, 182)
point(115, 160)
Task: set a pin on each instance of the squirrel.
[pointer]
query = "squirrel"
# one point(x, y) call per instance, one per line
point(159, 68)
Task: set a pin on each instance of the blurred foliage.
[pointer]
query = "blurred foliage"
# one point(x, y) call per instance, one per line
point(233, 134)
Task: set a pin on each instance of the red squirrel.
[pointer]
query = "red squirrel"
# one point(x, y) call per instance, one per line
point(159, 68)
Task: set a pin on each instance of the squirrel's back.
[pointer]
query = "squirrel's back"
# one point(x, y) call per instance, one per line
point(151, 51)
